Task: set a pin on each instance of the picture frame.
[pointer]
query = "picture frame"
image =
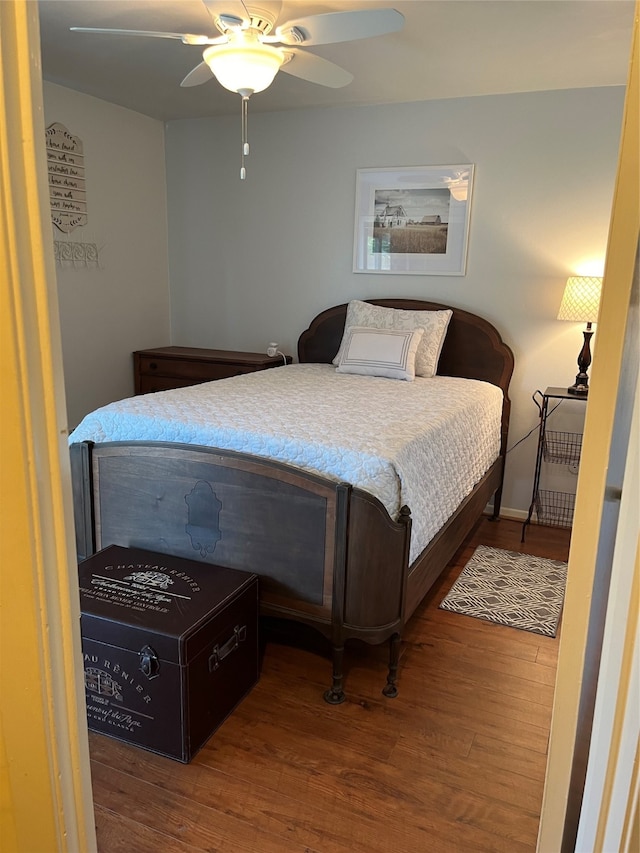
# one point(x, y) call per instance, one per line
point(412, 220)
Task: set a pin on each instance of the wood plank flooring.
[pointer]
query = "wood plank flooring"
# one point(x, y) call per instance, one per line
point(454, 764)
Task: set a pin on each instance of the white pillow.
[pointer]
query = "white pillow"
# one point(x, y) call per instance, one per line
point(434, 323)
point(380, 352)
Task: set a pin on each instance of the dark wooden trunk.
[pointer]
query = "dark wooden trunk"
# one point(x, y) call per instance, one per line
point(170, 647)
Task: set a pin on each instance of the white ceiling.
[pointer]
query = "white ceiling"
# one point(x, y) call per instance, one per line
point(447, 49)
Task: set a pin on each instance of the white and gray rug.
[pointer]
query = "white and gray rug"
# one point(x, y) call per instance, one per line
point(510, 588)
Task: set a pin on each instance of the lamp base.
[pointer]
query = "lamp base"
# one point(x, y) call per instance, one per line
point(580, 387)
point(579, 390)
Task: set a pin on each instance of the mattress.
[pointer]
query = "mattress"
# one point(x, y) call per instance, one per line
point(423, 444)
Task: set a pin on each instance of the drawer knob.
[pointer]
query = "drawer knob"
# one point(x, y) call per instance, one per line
point(153, 365)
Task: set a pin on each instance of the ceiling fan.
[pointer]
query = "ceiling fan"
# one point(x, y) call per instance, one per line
point(250, 49)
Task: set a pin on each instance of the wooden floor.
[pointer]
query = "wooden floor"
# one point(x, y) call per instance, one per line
point(454, 764)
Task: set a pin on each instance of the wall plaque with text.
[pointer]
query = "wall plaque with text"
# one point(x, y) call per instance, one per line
point(65, 164)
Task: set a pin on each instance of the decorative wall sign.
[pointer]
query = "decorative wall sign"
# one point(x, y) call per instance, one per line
point(412, 220)
point(65, 164)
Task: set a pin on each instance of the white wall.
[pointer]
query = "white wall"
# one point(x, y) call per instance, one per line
point(254, 261)
point(107, 313)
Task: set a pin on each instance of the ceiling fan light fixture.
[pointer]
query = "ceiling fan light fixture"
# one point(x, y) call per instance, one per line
point(244, 65)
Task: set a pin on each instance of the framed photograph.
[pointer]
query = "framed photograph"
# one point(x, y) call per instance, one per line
point(412, 220)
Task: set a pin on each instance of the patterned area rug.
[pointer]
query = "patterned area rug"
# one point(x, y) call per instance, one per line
point(510, 588)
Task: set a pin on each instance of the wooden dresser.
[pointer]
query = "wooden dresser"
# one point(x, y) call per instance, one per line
point(176, 367)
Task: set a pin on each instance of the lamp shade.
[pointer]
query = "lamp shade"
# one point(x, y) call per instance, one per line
point(244, 65)
point(581, 299)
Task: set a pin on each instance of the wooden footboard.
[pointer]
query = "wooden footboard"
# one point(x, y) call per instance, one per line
point(225, 509)
point(326, 554)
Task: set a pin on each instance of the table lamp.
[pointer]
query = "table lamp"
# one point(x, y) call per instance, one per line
point(580, 303)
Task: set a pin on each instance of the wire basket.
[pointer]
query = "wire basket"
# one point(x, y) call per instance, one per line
point(562, 447)
point(555, 509)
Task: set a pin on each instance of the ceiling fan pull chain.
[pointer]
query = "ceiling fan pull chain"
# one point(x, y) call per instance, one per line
point(245, 142)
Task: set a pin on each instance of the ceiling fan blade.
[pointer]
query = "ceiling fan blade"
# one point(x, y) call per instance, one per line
point(313, 68)
point(185, 38)
point(198, 75)
point(334, 27)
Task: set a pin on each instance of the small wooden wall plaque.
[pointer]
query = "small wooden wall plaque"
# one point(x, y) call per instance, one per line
point(67, 191)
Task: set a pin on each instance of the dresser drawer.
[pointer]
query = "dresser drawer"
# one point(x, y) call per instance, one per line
point(148, 384)
point(195, 371)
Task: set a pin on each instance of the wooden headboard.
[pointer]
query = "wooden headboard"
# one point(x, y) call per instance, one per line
point(473, 348)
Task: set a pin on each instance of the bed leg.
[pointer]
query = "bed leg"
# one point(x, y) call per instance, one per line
point(335, 695)
point(390, 689)
point(497, 499)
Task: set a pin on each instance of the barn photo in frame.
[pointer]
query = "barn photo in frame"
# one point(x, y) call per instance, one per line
point(412, 220)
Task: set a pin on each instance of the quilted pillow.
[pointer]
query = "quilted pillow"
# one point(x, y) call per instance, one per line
point(380, 352)
point(434, 323)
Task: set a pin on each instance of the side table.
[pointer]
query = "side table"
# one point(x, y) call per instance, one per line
point(553, 508)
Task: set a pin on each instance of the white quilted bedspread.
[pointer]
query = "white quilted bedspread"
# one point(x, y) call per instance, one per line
point(423, 443)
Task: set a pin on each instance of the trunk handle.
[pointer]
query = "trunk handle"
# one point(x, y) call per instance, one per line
point(219, 653)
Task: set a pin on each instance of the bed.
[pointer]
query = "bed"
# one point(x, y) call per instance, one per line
point(331, 553)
